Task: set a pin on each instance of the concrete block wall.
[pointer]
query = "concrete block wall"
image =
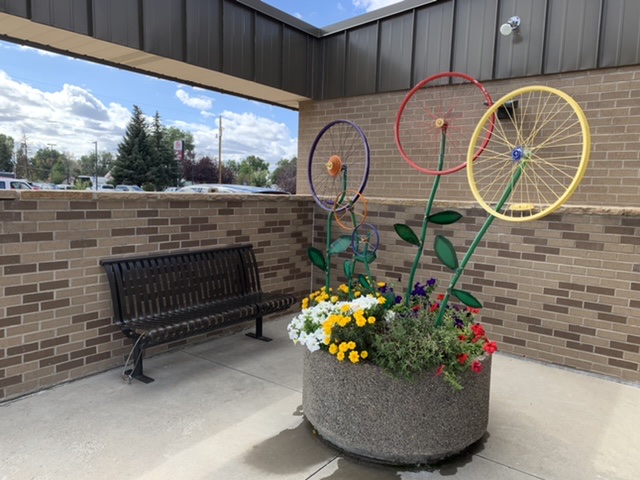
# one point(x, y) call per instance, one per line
point(563, 289)
point(55, 306)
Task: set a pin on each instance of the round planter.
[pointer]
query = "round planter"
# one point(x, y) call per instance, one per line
point(364, 412)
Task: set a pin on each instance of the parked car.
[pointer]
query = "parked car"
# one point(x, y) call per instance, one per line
point(7, 183)
point(234, 189)
point(129, 188)
point(105, 187)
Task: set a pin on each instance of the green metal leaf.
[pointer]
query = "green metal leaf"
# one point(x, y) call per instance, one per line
point(406, 233)
point(466, 298)
point(369, 258)
point(317, 258)
point(348, 268)
point(364, 282)
point(445, 218)
point(445, 252)
point(340, 245)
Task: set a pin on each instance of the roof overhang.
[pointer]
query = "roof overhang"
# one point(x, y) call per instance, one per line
point(19, 30)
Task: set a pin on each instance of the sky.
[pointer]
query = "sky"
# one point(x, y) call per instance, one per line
point(67, 104)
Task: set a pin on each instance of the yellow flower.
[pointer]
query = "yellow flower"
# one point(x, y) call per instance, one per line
point(357, 294)
point(382, 300)
point(361, 322)
point(333, 349)
point(351, 345)
point(345, 308)
point(327, 340)
point(340, 356)
point(343, 288)
point(381, 284)
point(344, 321)
point(354, 357)
point(305, 303)
point(334, 299)
point(364, 354)
point(343, 347)
point(371, 320)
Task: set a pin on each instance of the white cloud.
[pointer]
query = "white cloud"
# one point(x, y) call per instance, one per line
point(201, 103)
point(243, 134)
point(370, 5)
point(71, 118)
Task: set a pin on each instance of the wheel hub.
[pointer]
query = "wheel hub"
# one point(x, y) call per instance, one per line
point(334, 166)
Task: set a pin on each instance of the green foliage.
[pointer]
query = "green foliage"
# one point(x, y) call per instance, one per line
point(253, 171)
point(317, 258)
point(284, 175)
point(466, 298)
point(340, 245)
point(445, 218)
point(6, 153)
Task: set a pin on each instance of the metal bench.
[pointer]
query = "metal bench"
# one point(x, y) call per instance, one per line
point(163, 298)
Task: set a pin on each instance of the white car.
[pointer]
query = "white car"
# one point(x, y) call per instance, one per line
point(7, 183)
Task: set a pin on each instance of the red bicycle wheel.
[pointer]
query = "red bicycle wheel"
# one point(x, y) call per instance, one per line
point(445, 107)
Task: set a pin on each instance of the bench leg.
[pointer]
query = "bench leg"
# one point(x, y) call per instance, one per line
point(258, 333)
point(137, 366)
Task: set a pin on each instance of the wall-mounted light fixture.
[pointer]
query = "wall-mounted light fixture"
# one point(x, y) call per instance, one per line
point(508, 28)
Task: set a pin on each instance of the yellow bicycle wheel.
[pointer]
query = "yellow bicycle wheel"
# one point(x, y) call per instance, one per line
point(536, 156)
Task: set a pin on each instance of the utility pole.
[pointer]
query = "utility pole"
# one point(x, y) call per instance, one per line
point(96, 172)
point(220, 149)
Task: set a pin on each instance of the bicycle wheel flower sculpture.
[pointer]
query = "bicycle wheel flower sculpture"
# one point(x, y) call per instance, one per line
point(538, 153)
point(448, 104)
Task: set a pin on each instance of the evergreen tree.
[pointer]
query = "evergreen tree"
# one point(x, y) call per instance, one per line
point(6, 153)
point(135, 155)
point(165, 169)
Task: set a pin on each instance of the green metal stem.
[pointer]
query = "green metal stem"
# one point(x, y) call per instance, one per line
point(425, 220)
point(477, 240)
point(327, 281)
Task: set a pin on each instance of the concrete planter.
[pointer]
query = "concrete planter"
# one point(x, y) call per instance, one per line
point(364, 412)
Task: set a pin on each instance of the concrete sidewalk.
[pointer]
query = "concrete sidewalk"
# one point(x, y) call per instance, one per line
point(231, 409)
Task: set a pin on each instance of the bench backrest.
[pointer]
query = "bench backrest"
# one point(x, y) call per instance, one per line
point(154, 284)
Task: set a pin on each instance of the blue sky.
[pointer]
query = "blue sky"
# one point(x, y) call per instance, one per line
point(69, 104)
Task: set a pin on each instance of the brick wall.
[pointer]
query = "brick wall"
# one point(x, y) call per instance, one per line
point(563, 289)
point(55, 308)
point(610, 99)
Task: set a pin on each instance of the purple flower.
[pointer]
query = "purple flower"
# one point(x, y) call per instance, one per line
point(431, 282)
point(458, 323)
point(419, 290)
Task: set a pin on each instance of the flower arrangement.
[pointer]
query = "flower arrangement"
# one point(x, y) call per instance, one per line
point(369, 322)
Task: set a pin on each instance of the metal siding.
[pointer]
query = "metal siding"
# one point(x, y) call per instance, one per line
point(520, 54)
point(15, 7)
point(475, 31)
point(297, 62)
point(204, 33)
point(71, 15)
point(117, 21)
point(333, 65)
point(621, 35)
point(572, 39)
point(396, 46)
point(238, 42)
point(268, 51)
point(362, 49)
point(432, 44)
point(163, 26)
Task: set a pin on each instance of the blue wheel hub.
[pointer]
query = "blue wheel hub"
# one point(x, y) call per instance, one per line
point(517, 154)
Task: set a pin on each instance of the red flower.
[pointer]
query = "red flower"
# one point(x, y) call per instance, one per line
point(476, 366)
point(490, 347)
point(477, 338)
point(462, 358)
point(434, 307)
point(441, 296)
point(478, 330)
point(475, 311)
point(440, 370)
point(462, 338)
point(415, 308)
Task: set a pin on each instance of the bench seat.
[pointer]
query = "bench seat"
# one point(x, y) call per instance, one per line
point(163, 298)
